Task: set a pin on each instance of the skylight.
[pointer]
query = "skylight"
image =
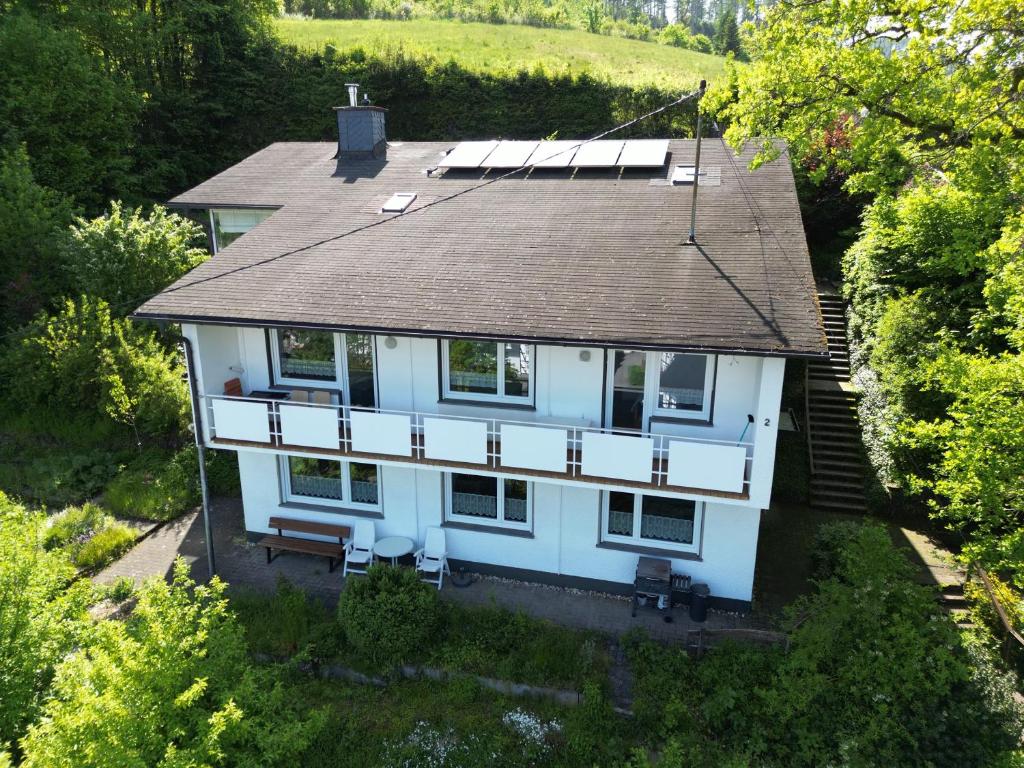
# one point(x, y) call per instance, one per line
point(398, 202)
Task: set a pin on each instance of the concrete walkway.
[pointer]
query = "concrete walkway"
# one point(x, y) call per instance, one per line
point(244, 566)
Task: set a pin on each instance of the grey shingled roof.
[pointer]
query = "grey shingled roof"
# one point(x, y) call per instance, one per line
point(593, 258)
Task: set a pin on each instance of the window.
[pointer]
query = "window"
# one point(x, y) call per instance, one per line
point(302, 356)
point(632, 518)
point(230, 224)
point(487, 371)
point(682, 383)
point(306, 354)
point(493, 501)
point(326, 482)
point(667, 384)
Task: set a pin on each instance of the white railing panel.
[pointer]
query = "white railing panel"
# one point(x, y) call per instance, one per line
point(309, 426)
point(241, 420)
point(538, 448)
point(620, 457)
point(386, 433)
point(455, 440)
point(707, 466)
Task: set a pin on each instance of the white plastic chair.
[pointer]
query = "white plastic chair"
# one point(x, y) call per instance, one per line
point(359, 550)
point(432, 558)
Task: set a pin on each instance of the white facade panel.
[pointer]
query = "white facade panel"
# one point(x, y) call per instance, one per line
point(455, 440)
point(537, 448)
point(385, 433)
point(714, 467)
point(311, 426)
point(618, 456)
point(239, 420)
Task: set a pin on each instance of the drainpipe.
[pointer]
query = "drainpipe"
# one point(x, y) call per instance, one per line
point(197, 427)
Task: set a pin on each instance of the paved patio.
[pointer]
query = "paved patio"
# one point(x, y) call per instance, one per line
point(242, 564)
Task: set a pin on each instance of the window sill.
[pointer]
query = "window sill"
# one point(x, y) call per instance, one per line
point(488, 404)
point(517, 532)
point(658, 419)
point(372, 515)
point(641, 549)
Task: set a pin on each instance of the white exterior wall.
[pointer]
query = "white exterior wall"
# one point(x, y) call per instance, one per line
point(569, 390)
point(565, 529)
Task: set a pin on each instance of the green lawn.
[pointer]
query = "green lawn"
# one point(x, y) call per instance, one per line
point(504, 47)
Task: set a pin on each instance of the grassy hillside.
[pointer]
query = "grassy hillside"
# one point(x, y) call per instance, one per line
point(494, 48)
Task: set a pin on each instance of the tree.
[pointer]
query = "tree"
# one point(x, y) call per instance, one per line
point(33, 223)
point(123, 257)
point(727, 35)
point(921, 111)
point(76, 120)
point(42, 616)
point(171, 687)
point(85, 360)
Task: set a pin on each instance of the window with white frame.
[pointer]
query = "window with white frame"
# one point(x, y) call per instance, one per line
point(658, 521)
point(643, 384)
point(501, 502)
point(488, 371)
point(304, 356)
point(326, 482)
point(229, 224)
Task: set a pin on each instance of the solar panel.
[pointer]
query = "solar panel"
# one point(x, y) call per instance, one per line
point(644, 153)
point(468, 154)
point(553, 154)
point(510, 154)
point(598, 154)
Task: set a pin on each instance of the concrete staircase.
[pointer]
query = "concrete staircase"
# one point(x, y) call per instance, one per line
point(837, 461)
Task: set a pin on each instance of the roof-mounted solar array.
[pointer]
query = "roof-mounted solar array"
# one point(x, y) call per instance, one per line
point(643, 153)
point(603, 153)
point(510, 154)
point(598, 154)
point(468, 154)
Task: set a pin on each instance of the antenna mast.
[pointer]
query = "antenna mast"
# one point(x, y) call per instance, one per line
point(696, 167)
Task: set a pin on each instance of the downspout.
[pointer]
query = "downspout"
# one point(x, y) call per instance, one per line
point(197, 427)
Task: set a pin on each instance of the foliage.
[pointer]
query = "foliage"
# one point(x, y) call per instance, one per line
point(89, 535)
point(156, 487)
point(168, 687)
point(105, 546)
point(42, 615)
point(918, 112)
point(123, 257)
point(77, 120)
point(122, 589)
point(32, 223)
point(874, 675)
point(681, 37)
point(727, 36)
point(84, 359)
point(496, 642)
point(389, 615)
point(283, 625)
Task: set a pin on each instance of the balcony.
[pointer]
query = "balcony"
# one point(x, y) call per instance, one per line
point(566, 453)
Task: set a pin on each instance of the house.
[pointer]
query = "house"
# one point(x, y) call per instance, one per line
point(538, 361)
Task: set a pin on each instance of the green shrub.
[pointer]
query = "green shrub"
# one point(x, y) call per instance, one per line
point(74, 526)
point(389, 616)
point(105, 546)
point(282, 624)
point(161, 488)
point(122, 589)
point(831, 542)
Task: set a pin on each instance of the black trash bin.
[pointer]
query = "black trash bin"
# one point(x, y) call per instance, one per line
point(699, 594)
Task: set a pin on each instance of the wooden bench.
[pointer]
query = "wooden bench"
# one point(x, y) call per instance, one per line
point(334, 552)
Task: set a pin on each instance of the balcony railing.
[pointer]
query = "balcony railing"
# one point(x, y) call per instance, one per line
point(526, 448)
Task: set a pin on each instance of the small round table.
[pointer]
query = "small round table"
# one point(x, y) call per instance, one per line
point(393, 547)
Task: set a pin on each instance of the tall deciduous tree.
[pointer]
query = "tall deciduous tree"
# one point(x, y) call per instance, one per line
point(921, 107)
